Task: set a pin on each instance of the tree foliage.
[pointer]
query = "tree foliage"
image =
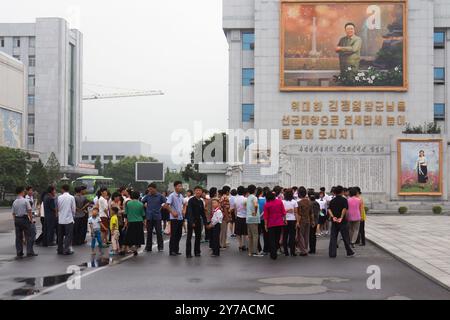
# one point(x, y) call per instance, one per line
point(53, 169)
point(13, 168)
point(38, 177)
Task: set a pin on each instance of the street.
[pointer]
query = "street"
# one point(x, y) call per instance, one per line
point(232, 276)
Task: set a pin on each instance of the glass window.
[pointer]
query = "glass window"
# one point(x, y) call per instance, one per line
point(248, 112)
point(31, 100)
point(94, 157)
point(16, 56)
point(439, 111)
point(439, 74)
point(248, 76)
point(32, 42)
point(85, 158)
point(31, 139)
point(16, 42)
point(439, 38)
point(32, 61)
point(2, 42)
point(31, 81)
point(107, 158)
point(120, 158)
point(31, 118)
point(248, 41)
point(247, 142)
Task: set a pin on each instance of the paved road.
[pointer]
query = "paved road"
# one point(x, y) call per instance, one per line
point(233, 276)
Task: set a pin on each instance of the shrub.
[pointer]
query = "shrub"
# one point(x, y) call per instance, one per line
point(402, 210)
point(437, 209)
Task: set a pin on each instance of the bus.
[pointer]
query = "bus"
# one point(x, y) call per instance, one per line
point(93, 184)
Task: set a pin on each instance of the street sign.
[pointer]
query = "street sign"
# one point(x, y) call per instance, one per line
point(149, 171)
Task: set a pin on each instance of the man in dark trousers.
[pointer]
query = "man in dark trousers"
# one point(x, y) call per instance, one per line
point(153, 202)
point(174, 204)
point(23, 221)
point(337, 211)
point(50, 214)
point(195, 213)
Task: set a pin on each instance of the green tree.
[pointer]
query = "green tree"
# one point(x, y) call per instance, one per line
point(53, 169)
point(98, 165)
point(13, 168)
point(38, 177)
point(123, 172)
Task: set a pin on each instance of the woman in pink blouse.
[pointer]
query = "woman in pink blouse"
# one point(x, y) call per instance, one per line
point(275, 220)
point(355, 207)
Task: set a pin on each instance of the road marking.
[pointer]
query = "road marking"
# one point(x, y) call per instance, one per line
point(50, 289)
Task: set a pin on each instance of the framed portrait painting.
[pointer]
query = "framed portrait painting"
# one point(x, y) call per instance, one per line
point(420, 167)
point(351, 45)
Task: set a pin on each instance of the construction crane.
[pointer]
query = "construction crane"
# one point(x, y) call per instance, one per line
point(126, 94)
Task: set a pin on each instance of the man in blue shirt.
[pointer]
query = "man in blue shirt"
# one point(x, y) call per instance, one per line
point(174, 204)
point(152, 203)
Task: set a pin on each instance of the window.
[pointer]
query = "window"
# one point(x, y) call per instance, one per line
point(32, 42)
point(439, 111)
point(2, 42)
point(31, 118)
point(31, 139)
point(108, 158)
point(247, 142)
point(16, 41)
point(119, 158)
point(30, 100)
point(32, 61)
point(248, 112)
point(248, 76)
point(439, 39)
point(439, 74)
point(248, 41)
point(93, 158)
point(17, 57)
point(85, 158)
point(31, 81)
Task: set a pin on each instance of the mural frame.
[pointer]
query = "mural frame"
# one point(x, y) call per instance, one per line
point(284, 88)
point(399, 167)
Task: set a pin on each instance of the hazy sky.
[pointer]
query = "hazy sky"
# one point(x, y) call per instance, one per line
point(176, 46)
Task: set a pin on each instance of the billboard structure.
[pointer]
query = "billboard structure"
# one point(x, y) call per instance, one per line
point(343, 45)
point(149, 172)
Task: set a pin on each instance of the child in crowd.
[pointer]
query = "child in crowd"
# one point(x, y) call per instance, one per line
point(215, 225)
point(114, 227)
point(95, 228)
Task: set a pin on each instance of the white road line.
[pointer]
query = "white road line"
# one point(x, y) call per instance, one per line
point(50, 289)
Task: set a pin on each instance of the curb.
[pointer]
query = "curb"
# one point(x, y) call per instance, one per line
point(427, 275)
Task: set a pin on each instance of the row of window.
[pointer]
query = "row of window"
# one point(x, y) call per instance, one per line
point(31, 60)
point(17, 43)
point(105, 158)
point(439, 39)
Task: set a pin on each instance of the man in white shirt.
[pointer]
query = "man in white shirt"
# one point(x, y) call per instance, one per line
point(66, 212)
point(103, 209)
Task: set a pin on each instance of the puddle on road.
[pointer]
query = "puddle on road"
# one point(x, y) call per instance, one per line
point(34, 285)
point(298, 285)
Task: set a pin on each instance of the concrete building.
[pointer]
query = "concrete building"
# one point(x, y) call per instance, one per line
point(52, 54)
point(113, 151)
point(368, 156)
point(12, 102)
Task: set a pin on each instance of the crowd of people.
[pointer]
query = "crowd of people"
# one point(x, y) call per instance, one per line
point(264, 221)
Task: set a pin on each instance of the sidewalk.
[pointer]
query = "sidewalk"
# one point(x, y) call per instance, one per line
point(422, 242)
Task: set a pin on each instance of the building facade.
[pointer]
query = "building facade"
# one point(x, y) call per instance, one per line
point(113, 151)
point(52, 55)
point(12, 102)
point(338, 135)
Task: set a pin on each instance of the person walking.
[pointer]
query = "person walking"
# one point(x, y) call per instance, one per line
point(134, 222)
point(315, 207)
point(304, 219)
point(174, 204)
point(355, 207)
point(291, 207)
point(253, 220)
point(275, 220)
point(361, 240)
point(50, 216)
point(195, 216)
point(337, 211)
point(66, 212)
point(81, 215)
point(226, 211)
point(23, 220)
point(152, 203)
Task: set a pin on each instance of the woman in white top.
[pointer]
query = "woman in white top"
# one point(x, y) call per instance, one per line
point(291, 207)
point(422, 169)
point(323, 225)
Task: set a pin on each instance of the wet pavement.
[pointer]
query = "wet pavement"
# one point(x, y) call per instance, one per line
point(232, 276)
